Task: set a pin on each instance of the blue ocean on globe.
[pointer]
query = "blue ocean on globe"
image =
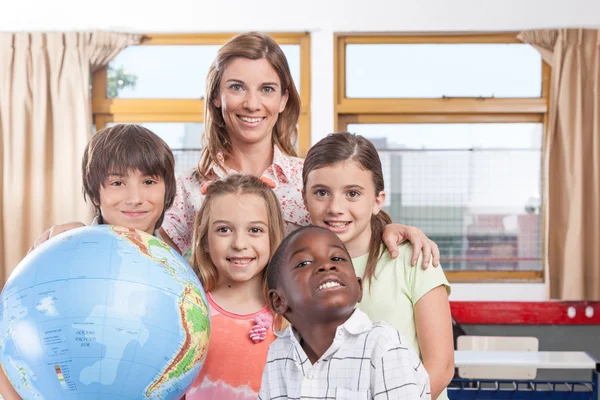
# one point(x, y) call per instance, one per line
point(103, 312)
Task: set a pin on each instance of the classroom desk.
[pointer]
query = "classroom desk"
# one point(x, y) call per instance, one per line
point(525, 389)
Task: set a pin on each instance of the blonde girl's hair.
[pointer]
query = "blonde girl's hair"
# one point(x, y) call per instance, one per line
point(237, 184)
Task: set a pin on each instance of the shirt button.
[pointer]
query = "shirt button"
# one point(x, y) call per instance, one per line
point(340, 333)
point(310, 376)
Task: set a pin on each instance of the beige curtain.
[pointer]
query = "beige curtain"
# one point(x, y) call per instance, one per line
point(45, 123)
point(572, 156)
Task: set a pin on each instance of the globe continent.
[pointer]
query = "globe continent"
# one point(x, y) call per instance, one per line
point(103, 312)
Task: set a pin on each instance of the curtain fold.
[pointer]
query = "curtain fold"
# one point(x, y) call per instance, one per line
point(572, 161)
point(45, 123)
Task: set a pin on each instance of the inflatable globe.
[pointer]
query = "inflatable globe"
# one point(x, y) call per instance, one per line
point(103, 312)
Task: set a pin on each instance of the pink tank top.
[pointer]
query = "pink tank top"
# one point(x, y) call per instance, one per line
point(234, 365)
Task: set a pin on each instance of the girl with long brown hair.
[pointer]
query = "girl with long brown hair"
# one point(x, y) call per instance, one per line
point(344, 192)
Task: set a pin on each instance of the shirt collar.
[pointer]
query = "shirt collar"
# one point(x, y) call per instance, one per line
point(358, 323)
point(216, 169)
point(281, 161)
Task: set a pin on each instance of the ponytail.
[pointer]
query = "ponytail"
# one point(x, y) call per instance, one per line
point(378, 224)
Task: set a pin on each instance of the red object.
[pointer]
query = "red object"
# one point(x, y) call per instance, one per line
point(269, 182)
point(526, 313)
point(204, 187)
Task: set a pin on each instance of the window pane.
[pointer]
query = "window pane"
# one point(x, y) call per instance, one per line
point(177, 72)
point(182, 137)
point(437, 70)
point(473, 188)
point(292, 53)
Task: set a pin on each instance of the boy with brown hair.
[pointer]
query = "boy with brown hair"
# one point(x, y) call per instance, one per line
point(129, 176)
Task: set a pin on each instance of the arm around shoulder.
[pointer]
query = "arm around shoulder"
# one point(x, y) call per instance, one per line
point(394, 234)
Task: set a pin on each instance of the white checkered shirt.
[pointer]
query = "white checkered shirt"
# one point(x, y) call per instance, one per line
point(365, 361)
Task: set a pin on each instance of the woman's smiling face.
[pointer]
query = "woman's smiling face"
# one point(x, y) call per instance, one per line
point(250, 99)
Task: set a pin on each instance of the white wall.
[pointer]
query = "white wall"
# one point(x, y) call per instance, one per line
point(303, 15)
point(321, 18)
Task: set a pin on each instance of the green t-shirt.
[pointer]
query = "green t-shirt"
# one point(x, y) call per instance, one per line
point(395, 289)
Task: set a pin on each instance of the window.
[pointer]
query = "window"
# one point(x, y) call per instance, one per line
point(161, 84)
point(459, 123)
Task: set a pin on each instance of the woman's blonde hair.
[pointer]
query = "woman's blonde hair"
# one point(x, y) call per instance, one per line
point(215, 140)
point(237, 184)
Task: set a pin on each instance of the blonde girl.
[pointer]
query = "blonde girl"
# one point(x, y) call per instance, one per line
point(236, 231)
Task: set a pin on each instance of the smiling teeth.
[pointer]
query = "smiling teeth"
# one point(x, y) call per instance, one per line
point(337, 224)
point(328, 285)
point(251, 120)
point(241, 262)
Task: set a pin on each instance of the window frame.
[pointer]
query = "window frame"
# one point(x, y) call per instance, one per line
point(125, 110)
point(443, 110)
